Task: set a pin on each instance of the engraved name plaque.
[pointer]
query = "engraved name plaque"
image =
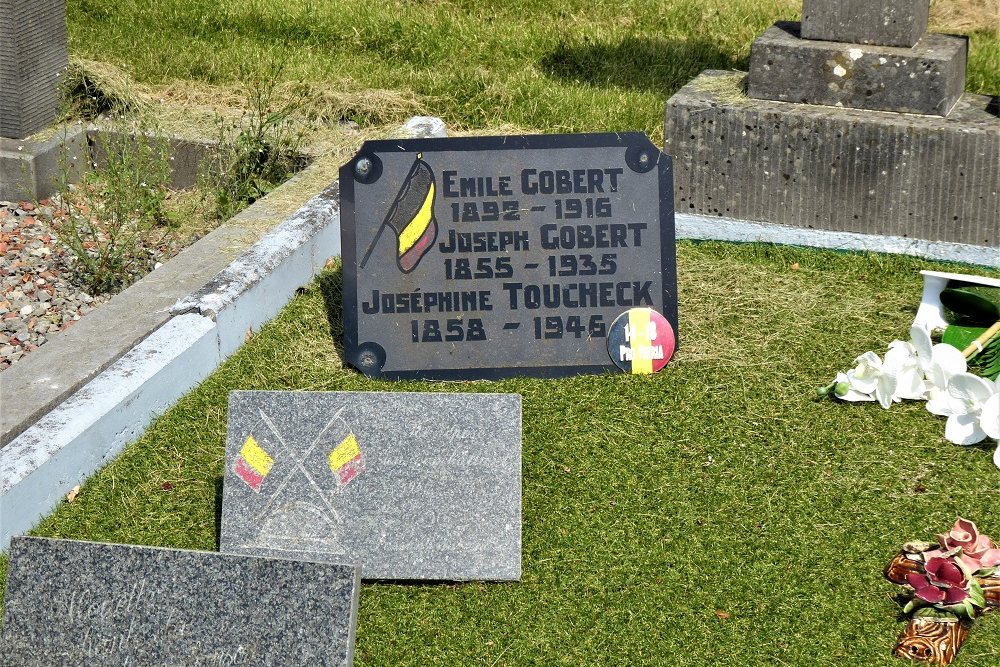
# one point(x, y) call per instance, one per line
point(490, 257)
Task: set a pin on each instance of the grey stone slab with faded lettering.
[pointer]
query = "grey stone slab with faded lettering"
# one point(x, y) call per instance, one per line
point(409, 485)
point(70, 603)
point(490, 257)
point(884, 22)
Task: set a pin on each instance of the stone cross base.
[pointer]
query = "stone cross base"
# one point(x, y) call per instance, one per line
point(927, 78)
point(822, 167)
point(882, 22)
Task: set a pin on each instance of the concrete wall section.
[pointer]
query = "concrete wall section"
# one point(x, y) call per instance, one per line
point(705, 228)
point(33, 169)
point(36, 167)
point(90, 428)
point(901, 175)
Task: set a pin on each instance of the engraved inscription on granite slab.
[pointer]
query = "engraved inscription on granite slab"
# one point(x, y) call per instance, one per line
point(488, 257)
point(409, 485)
point(72, 603)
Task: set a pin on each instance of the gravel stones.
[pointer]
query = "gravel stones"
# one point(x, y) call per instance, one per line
point(37, 297)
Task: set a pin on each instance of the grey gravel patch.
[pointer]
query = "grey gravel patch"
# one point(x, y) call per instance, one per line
point(39, 295)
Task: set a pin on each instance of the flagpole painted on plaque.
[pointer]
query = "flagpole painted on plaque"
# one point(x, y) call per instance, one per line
point(411, 217)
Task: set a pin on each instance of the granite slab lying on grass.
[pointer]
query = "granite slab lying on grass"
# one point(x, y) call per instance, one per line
point(72, 603)
point(410, 485)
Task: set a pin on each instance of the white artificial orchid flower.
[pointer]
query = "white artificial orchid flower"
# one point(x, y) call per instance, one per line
point(989, 418)
point(870, 377)
point(963, 404)
point(902, 362)
point(920, 340)
point(864, 376)
point(946, 363)
point(938, 363)
point(842, 389)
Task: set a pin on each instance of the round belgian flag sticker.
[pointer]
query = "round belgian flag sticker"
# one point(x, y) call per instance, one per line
point(641, 341)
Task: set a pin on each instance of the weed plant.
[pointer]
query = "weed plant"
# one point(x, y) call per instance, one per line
point(261, 149)
point(116, 213)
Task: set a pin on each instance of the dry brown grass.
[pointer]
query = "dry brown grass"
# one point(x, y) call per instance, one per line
point(193, 110)
point(93, 87)
point(965, 16)
point(368, 107)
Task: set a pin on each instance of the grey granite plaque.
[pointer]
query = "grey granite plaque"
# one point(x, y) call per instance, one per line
point(74, 603)
point(409, 485)
point(488, 257)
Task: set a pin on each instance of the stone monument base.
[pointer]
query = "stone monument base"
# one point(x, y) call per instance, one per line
point(924, 177)
point(927, 78)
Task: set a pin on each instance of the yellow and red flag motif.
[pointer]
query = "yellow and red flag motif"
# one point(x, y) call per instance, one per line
point(253, 464)
point(345, 460)
point(411, 218)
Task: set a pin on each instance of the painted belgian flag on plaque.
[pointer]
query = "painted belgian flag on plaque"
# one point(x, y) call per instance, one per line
point(253, 464)
point(345, 460)
point(411, 217)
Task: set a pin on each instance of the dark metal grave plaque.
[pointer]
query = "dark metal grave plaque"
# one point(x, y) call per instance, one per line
point(489, 257)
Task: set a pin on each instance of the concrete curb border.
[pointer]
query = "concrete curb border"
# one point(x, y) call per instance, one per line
point(705, 228)
point(88, 429)
point(32, 168)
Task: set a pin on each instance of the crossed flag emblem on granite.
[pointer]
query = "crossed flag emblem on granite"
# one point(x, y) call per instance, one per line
point(254, 463)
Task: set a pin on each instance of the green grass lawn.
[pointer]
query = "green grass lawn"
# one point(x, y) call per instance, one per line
point(651, 505)
point(543, 65)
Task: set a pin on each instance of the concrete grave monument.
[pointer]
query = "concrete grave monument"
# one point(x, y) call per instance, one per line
point(927, 77)
point(489, 257)
point(883, 22)
point(71, 603)
point(795, 142)
point(33, 54)
point(409, 485)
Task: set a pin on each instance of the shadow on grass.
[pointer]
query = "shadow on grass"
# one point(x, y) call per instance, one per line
point(331, 284)
point(643, 63)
